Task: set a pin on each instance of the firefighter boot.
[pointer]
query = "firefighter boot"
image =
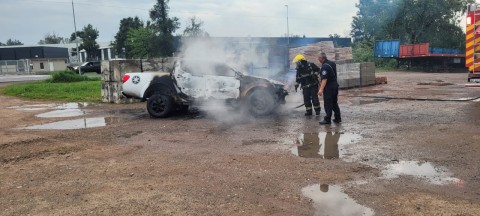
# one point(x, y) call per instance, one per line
point(308, 113)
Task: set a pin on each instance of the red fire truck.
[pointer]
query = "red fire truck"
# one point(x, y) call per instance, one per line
point(472, 58)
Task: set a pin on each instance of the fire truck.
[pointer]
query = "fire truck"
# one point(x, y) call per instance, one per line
point(472, 58)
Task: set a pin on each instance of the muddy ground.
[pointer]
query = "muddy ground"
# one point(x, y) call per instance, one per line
point(410, 147)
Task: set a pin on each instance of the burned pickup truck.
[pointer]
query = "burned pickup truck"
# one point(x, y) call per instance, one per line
point(197, 83)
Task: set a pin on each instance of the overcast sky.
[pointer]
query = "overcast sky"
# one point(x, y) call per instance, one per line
point(29, 20)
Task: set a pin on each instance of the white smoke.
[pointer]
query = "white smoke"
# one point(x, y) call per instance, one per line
point(203, 55)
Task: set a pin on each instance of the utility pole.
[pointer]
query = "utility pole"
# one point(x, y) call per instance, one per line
point(76, 39)
point(288, 29)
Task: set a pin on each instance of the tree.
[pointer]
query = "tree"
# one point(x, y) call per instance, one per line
point(79, 34)
point(163, 24)
point(194, 28)
point(11, 42)
point(120, 43)
point(89, 36)
point(412, 21)
point(52, 39)
point(163, 27)
point(139, 43)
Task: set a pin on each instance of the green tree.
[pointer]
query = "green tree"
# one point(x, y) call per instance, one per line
point(12, 42)
point(412, 21)
point(79, 34)
point(139, 42)
point(89, 36)
point(163, 27)
point(120, 42)
point(52, 39)
point(2, 44)
point(194, 28)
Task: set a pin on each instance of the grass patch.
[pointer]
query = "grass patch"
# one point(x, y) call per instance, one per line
point(86, 91)
point(69, 76)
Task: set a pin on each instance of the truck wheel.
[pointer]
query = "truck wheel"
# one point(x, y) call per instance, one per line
point(159, 106)
point(260, 102)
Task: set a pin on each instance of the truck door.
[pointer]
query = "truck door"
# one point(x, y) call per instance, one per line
point(222, 84)
point(190, 84)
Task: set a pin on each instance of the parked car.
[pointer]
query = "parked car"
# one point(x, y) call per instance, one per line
point(186, 85)
point(94, 66)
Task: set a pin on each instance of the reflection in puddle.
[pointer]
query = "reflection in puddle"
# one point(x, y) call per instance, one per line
point(60, 110)
point(364, 102)
point(62, 113)
point(330, 200)
point(422, 170)
point(326, 145)
point(75, 124)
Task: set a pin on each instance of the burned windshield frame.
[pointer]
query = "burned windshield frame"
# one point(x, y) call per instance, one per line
point(217, 69)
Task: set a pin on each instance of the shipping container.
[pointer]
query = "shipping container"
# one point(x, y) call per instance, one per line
point(414, 50)
point(387, 48)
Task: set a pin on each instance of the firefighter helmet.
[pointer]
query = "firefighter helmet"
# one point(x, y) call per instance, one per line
point(298, 58)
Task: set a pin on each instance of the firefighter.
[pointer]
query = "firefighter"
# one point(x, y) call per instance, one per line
point(307, 77)
point(329, 89)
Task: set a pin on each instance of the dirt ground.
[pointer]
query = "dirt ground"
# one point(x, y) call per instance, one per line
point(410, 147)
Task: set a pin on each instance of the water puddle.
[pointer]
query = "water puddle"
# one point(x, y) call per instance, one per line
point(422, 170)
point(330, 200)
point(59, 110)
point(435, 83)
point(372, 101)
point(75, 124)
point(326, 145)
point(62, 113)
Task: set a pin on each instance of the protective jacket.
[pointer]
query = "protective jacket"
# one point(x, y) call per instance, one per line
point(307, 74)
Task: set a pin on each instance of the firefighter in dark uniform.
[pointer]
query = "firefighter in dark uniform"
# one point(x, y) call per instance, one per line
point(307, 77)
point(329, 89)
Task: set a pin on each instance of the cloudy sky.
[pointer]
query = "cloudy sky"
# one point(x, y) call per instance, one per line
point(29, 20)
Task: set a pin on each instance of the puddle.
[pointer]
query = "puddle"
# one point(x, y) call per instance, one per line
point(442, 83)
point(326, 145)
point(62, 113)
point(372, 101)
point(330, 200)
point(422, 170)
point(32, 107)
point(59, 110)
point(76, 124)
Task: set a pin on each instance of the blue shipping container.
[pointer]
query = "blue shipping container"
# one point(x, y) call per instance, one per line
point(387, 49)
point(443, 51)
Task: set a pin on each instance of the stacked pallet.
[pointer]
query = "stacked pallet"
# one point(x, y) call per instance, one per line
point(112, 74)
point(312, 52)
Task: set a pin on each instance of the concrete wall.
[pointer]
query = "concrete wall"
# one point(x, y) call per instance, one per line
point(112, 74)
point(113, 71)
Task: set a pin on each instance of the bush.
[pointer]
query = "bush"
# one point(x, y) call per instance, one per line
point(69, 76)
point(363, 52)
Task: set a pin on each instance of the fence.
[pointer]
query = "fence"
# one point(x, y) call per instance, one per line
point(15, 67)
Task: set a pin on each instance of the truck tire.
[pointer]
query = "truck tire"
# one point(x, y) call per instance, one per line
point(160, 106)
point(261, 102)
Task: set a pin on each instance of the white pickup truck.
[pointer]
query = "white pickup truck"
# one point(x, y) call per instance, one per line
point(193, 83)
